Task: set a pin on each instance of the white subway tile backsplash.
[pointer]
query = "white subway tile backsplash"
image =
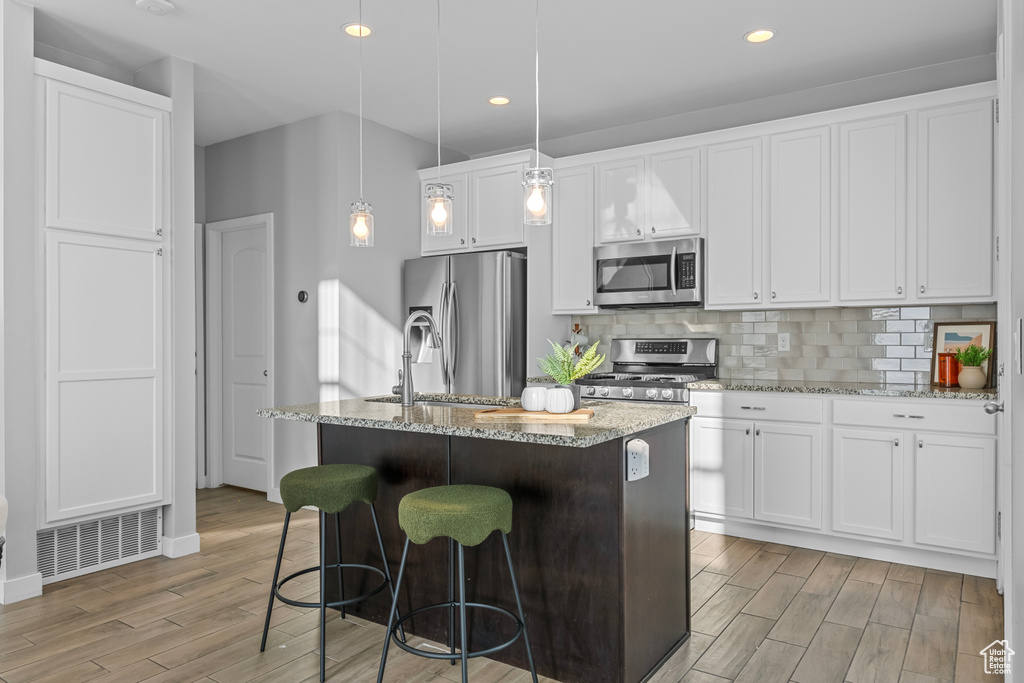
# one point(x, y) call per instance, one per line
point(889, 344)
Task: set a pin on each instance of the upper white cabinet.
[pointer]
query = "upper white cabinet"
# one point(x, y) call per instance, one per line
point(572, 241)
point(873, 210)
point(800, 217)
point(954, 202)
point(621, 209)
point(459, 238)
point(655, 196)
point(734, 223)
point(107, 163)
point(488, 205)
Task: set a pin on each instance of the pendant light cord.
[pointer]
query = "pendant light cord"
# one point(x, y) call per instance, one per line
point(361, 29)
point(536, 74)
point(438, 91)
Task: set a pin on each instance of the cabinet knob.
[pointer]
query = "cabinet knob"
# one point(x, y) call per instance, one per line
point(920, 444)
point(748, 431)
point(474, 240)
point(462, 241)
point(922, 289)
point(638, 232)
point(899, 290)
point(588, 302)
point(264, 373)
point(755, 296)
point(757, 432)
point(652, 230)
point(773, 295)
point(896, 442)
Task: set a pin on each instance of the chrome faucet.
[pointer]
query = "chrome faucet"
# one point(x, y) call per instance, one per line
point(404, 386)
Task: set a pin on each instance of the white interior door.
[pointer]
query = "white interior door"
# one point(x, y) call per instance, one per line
point(239, 327)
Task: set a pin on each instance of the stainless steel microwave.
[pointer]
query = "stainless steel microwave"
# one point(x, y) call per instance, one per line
point(653, 274)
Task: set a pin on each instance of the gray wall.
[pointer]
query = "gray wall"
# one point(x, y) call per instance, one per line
point(345, 341)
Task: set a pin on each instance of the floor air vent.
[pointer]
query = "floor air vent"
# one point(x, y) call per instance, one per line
point(98, 544)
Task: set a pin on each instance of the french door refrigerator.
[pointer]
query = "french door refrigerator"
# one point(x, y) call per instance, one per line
point(479, 303)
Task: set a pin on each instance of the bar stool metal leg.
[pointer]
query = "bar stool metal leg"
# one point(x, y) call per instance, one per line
point(462, 614)
point(451, 598)
point(341, 572)
point(277, 573)
point(391, 614)
point(519, 604)
point(323, 592)
point(387, 569)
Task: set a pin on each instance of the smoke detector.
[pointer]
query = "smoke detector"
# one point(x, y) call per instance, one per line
point(158, 7)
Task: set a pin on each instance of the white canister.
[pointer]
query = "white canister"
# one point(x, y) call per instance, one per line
point(560, 400)
point(534, 398)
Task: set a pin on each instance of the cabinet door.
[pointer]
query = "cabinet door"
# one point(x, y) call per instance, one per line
point(955, 492)
point(873, 210)
point(107, 164)
point(458, 240)
point(867, 483)
point(787, 474)
point(104, 374)
point(673, 194)
point(722, 475)
point(734, 223)
point(572, 242)
point(800, 221)
point(620, 201)
point(496, 207)
point(954, 202)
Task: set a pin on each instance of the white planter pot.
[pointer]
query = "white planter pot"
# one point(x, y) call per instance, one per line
point(563, 399)
point(534, 398)
point(971, 377)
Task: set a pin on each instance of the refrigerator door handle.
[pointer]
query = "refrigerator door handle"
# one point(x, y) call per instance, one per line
point(453, 332)
point(504, 308)
point(442, 320)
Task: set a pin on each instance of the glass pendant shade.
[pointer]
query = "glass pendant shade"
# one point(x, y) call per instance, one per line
point(439, 209)
point(360, 224)
point(537, 196)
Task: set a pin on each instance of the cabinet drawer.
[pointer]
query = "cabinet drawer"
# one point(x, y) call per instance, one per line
point(940, 415)
point(757, 406)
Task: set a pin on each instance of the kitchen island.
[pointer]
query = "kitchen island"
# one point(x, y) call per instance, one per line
point(602, 562)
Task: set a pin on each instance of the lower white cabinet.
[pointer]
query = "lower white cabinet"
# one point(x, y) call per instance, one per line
point(867, 482)
point(955, 492)
point(757, 470)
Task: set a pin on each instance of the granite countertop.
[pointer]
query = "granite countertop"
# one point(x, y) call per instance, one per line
point(611, 420)
point(835, 388)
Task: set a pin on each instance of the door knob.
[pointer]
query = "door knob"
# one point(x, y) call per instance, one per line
point(992, 407)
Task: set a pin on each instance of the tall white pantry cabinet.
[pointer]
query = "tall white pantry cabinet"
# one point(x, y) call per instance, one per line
point(104, 217)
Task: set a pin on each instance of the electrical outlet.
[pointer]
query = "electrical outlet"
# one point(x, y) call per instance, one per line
point(783, 341)
point(638, 459)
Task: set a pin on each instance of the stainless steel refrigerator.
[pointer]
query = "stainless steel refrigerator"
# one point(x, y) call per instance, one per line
point(479, 303)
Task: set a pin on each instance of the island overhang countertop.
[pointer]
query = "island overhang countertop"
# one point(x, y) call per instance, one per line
point(612, 420)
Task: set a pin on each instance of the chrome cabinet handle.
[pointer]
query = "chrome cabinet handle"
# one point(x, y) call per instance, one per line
point(753, 408)
point(912, 417)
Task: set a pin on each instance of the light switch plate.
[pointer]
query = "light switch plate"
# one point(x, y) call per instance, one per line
point(638, 459)
point(783, 341)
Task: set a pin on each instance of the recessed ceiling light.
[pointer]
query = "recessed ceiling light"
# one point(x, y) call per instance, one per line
point(498, 100)
point(759, 35)
point(357, 30)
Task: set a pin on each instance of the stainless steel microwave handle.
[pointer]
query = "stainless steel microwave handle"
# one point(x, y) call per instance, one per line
point(672, 271)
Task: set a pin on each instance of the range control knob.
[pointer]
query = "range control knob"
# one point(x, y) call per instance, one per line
point(605, 391)
point(627, 393)
point(666, 394)
point(590, 391)
point(652, 393)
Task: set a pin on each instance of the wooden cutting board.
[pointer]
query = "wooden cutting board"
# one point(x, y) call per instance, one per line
point(520, 415)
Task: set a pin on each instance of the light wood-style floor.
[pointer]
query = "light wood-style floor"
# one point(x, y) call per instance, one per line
point(762, 613)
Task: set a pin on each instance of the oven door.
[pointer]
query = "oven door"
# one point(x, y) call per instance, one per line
point(661, 274)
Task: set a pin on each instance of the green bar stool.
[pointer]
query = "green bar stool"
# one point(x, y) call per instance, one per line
point(331, 489)
point(466, 514)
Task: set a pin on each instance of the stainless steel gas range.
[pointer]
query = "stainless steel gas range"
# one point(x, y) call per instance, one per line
point(653, 370)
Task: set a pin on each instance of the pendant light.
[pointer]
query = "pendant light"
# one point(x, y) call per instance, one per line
point(537, 181)
point(438, 195)
point(360, 220)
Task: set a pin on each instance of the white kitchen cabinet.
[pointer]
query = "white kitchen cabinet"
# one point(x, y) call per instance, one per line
point(867, 482)
point(734, 177)
point(572, 241)
point(722, 467)
point(800, 217)
point(496, 207)
point(673, 194)
point(787, 474)
point(955, 492)
point(458, 240)
point(954, 203)
point(621, 209)
point(873, 210)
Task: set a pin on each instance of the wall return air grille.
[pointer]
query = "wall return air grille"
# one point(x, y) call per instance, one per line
point(98, 544)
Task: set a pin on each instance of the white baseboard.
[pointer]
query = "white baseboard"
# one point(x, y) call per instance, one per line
point(179, 547)
point(23, 588)
point(274, 495)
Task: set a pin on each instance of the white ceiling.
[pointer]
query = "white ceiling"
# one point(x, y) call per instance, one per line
point(263, 63)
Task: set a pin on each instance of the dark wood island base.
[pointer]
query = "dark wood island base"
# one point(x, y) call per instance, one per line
point(603, 563)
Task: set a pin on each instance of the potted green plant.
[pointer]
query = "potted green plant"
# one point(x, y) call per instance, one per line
point(562, 366)
point(970, 359)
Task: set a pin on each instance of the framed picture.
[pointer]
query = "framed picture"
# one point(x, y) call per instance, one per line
point(948, 337)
